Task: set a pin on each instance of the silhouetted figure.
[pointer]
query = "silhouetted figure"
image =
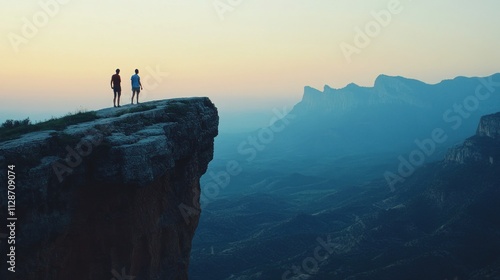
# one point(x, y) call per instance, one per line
point(115, 85)
point(136, 85)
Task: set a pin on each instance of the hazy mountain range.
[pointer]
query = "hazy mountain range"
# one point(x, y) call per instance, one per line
point(388, 116)
point(315, 179)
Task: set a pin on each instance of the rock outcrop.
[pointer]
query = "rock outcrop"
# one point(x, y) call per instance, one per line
point(113, 198)
point(484, 147)
point(489, 126)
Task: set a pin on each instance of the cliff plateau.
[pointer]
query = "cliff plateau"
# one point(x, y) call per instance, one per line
point(112, 198)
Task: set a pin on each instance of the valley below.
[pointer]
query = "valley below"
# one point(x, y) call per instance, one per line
point(314, 203)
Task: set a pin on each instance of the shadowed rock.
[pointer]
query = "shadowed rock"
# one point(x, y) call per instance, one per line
point(482, 147)
point(114, 198)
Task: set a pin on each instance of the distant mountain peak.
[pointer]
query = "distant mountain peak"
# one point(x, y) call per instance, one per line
point(384, 79)
point(482, 147)
point(311, 94)
point(327, 88)
point(395, 82)
point(308, 89)
point(351, 86)
point(395, 90)
point(381, 82)
point(387, 89)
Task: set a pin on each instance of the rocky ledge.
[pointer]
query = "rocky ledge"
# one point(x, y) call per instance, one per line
point(484, 147)
point(112, 198)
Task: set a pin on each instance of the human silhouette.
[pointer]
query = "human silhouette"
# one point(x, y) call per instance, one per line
point(136, 85)
point(117, 89)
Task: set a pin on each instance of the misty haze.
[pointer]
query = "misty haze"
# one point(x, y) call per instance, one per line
point(250, 140)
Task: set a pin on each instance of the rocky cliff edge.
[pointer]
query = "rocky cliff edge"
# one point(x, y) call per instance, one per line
point(482, 147)
point(112, 198)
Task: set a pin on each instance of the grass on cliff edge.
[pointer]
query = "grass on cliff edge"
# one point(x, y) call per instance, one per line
point(11, 129)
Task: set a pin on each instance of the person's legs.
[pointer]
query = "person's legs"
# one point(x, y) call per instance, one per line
point(114, 98)
point(119, 95)
point(138, 96)
point(133, 94)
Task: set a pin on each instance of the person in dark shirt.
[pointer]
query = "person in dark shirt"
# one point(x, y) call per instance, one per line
point(115, 85)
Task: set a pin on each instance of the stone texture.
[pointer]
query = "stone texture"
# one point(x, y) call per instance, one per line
point(482, 147)
point(489, 126)
point(114, 197)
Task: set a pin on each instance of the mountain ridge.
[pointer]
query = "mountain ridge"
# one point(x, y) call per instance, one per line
point(386, 89)
point(393, 114)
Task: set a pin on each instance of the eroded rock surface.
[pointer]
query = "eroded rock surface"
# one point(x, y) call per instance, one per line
point(482, 147)
point(113, 198)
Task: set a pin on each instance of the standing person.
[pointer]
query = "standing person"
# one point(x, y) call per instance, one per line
point(136, 85)
point(115, 85)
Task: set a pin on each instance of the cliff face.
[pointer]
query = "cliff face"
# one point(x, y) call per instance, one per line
point(113, 198)
point(482, 147)
point(489, 126)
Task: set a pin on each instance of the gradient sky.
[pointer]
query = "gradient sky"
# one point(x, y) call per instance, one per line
point(258, 55)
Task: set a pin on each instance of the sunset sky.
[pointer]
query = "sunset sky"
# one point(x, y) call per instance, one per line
point(58, 56)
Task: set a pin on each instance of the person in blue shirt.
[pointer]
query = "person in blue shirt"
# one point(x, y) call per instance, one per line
point(136, 85)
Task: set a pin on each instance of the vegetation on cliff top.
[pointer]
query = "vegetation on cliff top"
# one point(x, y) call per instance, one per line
point(12, 129)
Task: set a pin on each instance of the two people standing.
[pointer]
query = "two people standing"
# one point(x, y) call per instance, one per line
point(117, 90)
